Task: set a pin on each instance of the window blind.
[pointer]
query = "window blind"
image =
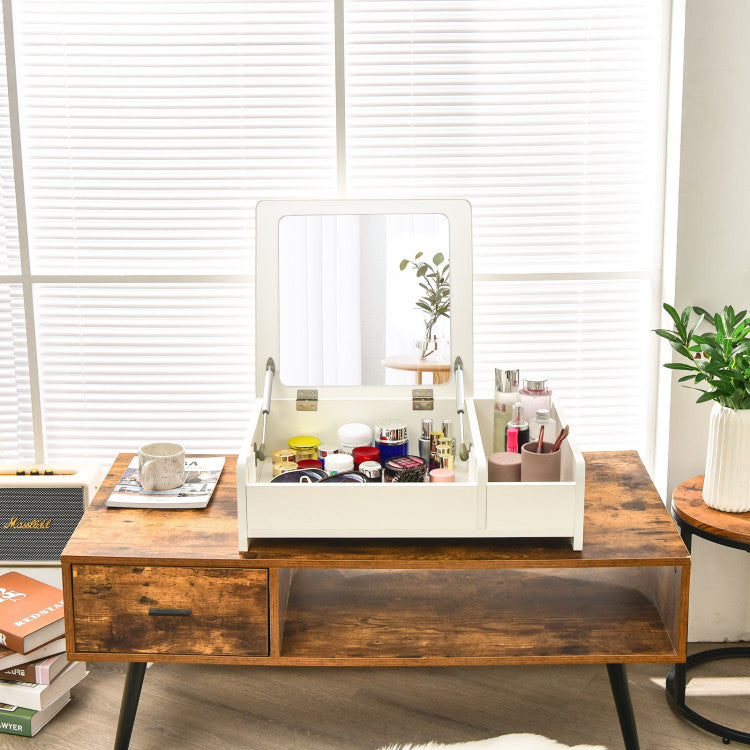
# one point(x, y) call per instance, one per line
point(16, 433)
point(547, 116)
point(150, 130)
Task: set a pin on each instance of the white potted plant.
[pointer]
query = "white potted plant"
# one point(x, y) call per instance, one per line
point(718, 365)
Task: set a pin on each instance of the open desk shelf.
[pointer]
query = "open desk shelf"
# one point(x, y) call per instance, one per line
point(449, 616)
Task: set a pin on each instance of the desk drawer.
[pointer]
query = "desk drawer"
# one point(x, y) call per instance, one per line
point(170, 610)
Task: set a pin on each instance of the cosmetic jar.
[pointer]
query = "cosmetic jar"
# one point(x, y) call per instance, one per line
point(404, 469)
point(310, 463)
point(304, 446)
point(352, 435)
point(364, 453)
point(372, 470)
point(325, 450)
point(392, 439)
point(283, 454)
point(284, 466)
point(336, 463)
point(442, 475)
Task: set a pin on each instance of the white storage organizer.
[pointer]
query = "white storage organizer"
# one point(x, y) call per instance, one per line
point(470, 507)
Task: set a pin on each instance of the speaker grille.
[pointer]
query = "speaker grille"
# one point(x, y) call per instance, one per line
point(61, 506)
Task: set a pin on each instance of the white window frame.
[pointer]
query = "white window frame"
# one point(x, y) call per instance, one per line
point(661, 275)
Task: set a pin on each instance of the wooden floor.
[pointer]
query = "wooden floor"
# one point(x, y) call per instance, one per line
point(194, 707)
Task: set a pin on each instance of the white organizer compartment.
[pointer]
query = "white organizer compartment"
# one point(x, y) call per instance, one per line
point(350, 510)
point(470, 507)
point(537, 509)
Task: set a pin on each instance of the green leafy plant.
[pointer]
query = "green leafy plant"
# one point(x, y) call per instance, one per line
point(717, 358)
point(434, 280)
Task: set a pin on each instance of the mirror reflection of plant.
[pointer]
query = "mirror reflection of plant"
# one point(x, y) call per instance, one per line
point(435, 281)
point(718, 358)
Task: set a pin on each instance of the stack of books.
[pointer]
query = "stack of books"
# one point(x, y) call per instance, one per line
point(35, 675)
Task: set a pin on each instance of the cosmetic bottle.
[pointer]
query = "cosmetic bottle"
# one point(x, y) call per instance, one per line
point(392, 439)
point(372, 470)
point(352, 435)
point(432, 460)
point(511, 439)
point(364, 453)
point(336, 463)
point(506, 394)
point(282, 455)
point(442, 475)
point(543, 418)
point(282, 467)
point(304, 446)
point(520, 426)
point(424, 440)
point(445, 458)
point(449, 433)
point(326, 450)
point(535, 395)
point(310, 463)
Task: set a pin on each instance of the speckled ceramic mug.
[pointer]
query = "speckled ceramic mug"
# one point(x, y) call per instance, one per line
point(161, 466)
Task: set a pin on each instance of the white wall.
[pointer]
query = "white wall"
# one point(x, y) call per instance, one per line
point(713, 267)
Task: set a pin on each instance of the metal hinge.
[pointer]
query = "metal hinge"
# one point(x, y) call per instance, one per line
point(307, 400)
point(421, 399)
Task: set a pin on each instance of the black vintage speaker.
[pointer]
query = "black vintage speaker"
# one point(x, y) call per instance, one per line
point(39, 511)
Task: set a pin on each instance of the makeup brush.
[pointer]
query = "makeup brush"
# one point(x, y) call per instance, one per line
point(563, 434)
point(540, 440)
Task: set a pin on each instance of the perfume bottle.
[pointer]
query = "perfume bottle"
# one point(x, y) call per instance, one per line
point(506, 394)
point(535, 395)
point(448, 433)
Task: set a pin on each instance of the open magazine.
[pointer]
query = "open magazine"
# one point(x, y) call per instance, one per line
point(201, 476)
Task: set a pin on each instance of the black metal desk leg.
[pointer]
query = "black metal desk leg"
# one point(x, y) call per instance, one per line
point(618, 680)
point(130, 695)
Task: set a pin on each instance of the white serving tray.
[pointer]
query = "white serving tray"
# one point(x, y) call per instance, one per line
point(470, 507)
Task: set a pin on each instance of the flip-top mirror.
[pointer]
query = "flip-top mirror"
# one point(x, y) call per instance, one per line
point(363, 298)
point(365, 291)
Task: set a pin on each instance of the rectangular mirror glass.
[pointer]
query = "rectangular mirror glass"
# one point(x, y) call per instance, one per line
point(364, 299)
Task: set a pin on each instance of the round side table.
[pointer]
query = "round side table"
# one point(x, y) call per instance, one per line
point(694, 517)
point(441, 371)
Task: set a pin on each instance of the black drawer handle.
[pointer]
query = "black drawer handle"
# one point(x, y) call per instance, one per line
point(166, 612)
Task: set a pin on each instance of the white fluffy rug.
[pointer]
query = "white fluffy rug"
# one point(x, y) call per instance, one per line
point(507, 742)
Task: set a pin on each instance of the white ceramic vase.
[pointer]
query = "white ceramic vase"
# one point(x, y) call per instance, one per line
point(726, 485)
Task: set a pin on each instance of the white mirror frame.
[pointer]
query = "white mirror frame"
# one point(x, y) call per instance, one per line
point(268, 215)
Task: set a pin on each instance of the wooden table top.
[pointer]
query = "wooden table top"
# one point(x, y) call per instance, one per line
point(687, 502)
point(626, 524)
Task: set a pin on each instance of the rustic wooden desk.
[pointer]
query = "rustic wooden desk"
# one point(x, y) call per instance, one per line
point(170, 586)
